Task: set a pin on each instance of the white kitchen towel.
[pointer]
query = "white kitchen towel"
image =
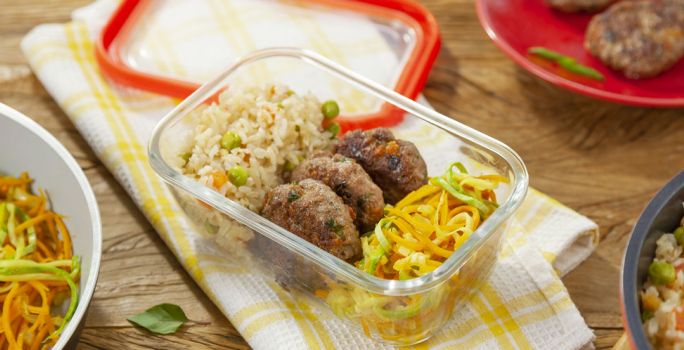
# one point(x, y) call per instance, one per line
point(523, 304)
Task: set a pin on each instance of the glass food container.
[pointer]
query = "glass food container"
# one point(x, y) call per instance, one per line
point(401, 312)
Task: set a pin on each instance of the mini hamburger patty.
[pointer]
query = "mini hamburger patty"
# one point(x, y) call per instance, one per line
point(579, 5)
point(640, 38)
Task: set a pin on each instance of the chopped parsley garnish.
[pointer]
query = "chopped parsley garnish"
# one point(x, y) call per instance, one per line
point(333, 225)
point(363, 198)
point(292, 196)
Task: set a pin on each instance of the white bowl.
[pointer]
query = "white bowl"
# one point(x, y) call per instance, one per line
point(26, 146)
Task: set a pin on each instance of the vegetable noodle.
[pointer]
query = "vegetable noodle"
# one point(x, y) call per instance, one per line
point(37, 268)
point(428, 225)
point(413, 239)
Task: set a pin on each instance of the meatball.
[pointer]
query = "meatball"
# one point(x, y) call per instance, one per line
point(394, 165)
point(312, 211)
point(348, 179)
point(579, 5)
point(641, 38)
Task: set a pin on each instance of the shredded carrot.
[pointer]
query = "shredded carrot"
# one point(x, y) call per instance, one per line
point(492, 196)
point(365, 328)
point(66, 240)
point(32, 222)
point(26, 319)
point(467, 208)
point(31, 200)
point(6, 311)
point(493, 178)
point(379, 272)
point(433, 263)
point(22, 332)
point(13, 182)
point(417, 195)
point(401, 241)
point(23, 176)
point(43, 249)
point(43, 201)
point(41, 334)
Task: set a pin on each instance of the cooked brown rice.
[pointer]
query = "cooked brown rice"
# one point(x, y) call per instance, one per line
point(275, 125)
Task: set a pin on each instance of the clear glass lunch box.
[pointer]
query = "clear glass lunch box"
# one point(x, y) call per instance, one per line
point(401, 312)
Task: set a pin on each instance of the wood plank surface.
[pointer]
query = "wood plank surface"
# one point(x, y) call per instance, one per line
point(602, 159)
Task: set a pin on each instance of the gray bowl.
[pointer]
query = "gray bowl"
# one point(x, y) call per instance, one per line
point(662, 215)
point(28, 147)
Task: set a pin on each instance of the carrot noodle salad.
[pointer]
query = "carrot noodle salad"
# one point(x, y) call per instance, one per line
point(37, 268)
point(413, 239)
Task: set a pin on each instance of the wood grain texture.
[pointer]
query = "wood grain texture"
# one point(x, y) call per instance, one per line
point(604, 160)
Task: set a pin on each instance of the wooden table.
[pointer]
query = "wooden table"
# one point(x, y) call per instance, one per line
point(604, 160)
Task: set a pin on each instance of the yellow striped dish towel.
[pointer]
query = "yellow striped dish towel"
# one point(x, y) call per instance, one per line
point(523, 304)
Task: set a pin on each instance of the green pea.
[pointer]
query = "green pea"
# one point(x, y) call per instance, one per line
point(289, 166)
point(661, 273)
point(230, 140)
point(647, 315)
point(330, 109)
point(279, 105)
point(679, 235)
point(238, 176)
point(185, 156)
point(334, 128)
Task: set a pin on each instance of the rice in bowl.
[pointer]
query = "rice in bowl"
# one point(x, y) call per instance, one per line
point(662, 304)
point(277, 129)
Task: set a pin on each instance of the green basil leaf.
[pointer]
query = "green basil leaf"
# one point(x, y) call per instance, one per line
point(160, 319)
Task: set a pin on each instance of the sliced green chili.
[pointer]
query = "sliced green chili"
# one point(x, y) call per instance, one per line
point(545, 53)
point(72, 285)
point(567, 63)
point(460, 196)
point(384, 243)
point(3, 221)
point(402, 313)
point(375, 257)
point(31, 233)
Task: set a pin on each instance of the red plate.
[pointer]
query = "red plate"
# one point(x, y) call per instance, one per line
point(516, 25)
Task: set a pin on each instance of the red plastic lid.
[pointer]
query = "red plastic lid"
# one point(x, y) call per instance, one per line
point(171, 47)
